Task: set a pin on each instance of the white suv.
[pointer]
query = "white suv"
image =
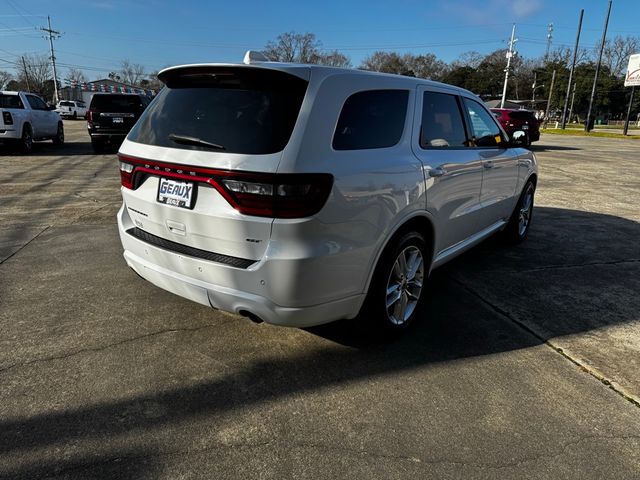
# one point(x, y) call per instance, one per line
point(71, 109)
point(301, 194)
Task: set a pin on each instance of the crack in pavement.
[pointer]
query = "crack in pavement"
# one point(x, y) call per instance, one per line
point(25, 245)
point(110, 345)
point(612, 384)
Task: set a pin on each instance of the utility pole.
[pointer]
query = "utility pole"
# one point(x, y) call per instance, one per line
point(587, 126)
point(510, 54)
point(553, 81)
point(573, 97)
point(53, 57)
point(626, 122)
point(573, 67)
point(549, 39)
point(26, 73)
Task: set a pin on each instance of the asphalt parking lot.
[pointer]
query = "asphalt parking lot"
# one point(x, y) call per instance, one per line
point(526, 365)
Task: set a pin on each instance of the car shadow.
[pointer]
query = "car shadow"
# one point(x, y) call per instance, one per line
point(461, 320)
point(48, 149)
point(536, 147)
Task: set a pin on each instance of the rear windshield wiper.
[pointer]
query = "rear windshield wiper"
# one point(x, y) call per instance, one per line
point(185, 140)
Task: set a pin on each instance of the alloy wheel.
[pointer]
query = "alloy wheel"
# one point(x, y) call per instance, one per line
point(524, 215)
point(404, 285)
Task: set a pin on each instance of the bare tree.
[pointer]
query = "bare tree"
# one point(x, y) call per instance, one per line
point(5, 78)
point(303, 48)
point(151, 81)
point(471, 59)
point(293, 47)
point(387, 62)
point(75, 75)
point(131, 73)
point(37, 70)
point(564, 55)
point(617, 52)
point(423, 66)
point(333, 59)
point(428, 66)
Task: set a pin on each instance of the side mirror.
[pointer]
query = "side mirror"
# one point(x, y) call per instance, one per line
point(51, 107)
point(518, 139)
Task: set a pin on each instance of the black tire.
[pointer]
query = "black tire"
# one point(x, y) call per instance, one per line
point(520, 222)
point(75, 115)
point(26, 141)
point(97, 145)
point(59, 138)
point(380, 312)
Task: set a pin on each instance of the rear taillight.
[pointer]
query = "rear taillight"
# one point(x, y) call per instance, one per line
point(89, 114)
point(126, 170)
point(277, 195)
point(7, 118)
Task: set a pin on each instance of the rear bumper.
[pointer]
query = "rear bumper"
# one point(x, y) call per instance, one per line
point(9, 134)
point(236, 290)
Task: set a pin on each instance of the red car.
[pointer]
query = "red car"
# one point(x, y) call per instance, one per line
point(513, 120)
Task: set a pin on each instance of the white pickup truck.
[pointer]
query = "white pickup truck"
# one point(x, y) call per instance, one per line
point(25, 117)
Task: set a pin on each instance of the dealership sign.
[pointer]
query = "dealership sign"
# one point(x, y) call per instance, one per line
point(632, 79)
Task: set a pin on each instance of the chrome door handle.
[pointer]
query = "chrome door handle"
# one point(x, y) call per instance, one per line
point(488, 164)
point(437, 172)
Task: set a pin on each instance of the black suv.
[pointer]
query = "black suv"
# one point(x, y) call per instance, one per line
point(112, 115)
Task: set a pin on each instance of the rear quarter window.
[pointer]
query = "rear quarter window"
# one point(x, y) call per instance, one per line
point(371, 119)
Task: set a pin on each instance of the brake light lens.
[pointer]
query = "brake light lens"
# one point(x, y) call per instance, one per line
point(276, 195)
point(89, 114)
point(7, 118)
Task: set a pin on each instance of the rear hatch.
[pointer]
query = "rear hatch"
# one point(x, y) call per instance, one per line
point(65, 107)
point(200, 167)
point(115, 112)
point(8, 102)
point(524, 119)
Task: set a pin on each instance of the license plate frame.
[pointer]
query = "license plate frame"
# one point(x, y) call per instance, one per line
point(181, 198)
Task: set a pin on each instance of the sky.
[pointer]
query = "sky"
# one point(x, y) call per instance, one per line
point(96, 35)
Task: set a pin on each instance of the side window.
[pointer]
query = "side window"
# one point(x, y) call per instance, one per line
point(371, 119)
point(442, 124)
point(484, 128)
point(36, 103)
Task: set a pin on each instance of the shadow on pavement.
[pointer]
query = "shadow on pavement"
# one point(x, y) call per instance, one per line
point(536, 147)
point(456, 325)
point(47, 149)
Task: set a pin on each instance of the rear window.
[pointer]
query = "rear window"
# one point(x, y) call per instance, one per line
point(67, 104)
point(117, 103)
point(242, 110)
point(371, 119)
point(522, 115)
point(10, 101)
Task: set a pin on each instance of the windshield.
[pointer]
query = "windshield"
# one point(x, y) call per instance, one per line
point(241, 110)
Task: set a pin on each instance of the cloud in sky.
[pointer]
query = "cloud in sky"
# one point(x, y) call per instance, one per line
point(493, 11)
point(525, 8)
